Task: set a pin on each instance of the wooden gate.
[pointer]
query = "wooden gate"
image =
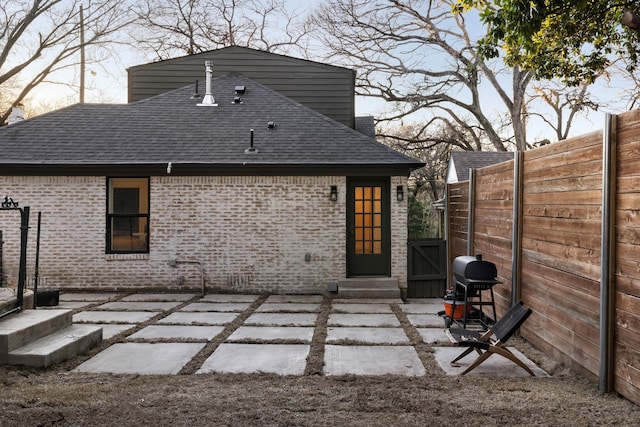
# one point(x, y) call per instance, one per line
point(427, 268)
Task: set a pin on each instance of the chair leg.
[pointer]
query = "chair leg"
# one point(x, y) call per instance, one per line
point(504, 353)
point(507, 354)
point(484, 356)
point(463, 354)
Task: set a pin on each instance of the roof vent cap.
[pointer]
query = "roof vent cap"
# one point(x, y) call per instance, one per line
point(251, 149)
point(208, 100)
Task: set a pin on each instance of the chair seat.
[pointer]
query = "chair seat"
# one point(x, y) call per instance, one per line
point(492, 341)
point(467, 338)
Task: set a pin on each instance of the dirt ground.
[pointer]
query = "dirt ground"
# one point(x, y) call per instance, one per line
point(59, 397)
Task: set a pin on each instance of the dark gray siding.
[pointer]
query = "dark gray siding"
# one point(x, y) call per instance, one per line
point(324, 88)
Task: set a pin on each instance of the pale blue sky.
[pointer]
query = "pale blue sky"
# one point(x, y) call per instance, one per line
point(107, 83)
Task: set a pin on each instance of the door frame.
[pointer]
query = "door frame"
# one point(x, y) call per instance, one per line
point(362, 265)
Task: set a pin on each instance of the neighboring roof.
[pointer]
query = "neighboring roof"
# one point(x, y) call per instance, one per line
point(148, 134)
point(461, 161)
point(325, 88)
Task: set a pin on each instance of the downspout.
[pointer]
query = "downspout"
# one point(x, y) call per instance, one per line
point(516, 232)
point(607, 258)
point(447, 230)
point(471, 210)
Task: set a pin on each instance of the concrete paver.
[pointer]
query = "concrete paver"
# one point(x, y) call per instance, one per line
point(368, 335)
point(381, 320)
point(229, 298)
point(111, 330)
point(426, 320)
point(87, 296)
point(495, 365)
point(288, 307)
point(361, 308)
point(422, 308)
point(372, 360)
point(281, 359)
point(282, 319)
point(377, 344)
point(295, 298)
point(138, 305)
point(271, 333)
point(113, 316)
point(142, 358)
point(177, 332)
point(366, 301)
point(433, 335)
point(70, 305)
point(204, 318)
point(159, 297)
point(217, 306)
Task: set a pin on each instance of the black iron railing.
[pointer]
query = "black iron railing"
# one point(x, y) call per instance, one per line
point(9, 204)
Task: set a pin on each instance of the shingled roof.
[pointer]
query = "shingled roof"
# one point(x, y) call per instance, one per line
point(171, 127)
point(461, 161)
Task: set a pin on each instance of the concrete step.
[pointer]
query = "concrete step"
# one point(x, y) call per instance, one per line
point(55, 347)
point(369, 287)
point(21, 328)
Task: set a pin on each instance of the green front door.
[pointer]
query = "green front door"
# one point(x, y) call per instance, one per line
point(368, 227)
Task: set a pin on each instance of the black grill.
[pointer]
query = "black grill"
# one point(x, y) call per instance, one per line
point(472, 270)
point(473, 275)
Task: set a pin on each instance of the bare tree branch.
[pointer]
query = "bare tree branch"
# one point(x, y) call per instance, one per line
point(33, 58)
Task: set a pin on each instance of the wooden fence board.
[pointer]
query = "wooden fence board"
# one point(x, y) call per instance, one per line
point(593, 138)
point(628, 285)
point(593, 197)
point(561, 244)
point(563, 211)
point(568, 225)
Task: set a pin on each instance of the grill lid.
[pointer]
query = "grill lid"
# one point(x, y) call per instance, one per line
point(472, 269)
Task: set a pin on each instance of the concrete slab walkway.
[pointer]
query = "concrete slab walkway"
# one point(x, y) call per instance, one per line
point(162, 333)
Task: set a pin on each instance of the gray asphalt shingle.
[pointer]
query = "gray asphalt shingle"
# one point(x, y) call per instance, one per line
point(171, 128)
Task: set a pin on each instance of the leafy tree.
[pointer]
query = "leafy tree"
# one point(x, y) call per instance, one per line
point(423, 59)
point(40, 37)
point(572, 40)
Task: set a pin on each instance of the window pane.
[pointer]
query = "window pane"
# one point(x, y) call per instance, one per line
point(377, 248)
point(128, 215)
point(128, 233)
point(367, 192)
point(129, 195)
point(358, 193)
point(359, 220)
point(359, 248)
point(377, 193)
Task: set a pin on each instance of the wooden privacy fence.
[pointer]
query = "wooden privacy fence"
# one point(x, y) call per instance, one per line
point(562, 225)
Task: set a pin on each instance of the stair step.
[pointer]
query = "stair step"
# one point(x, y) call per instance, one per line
point(26, 326)
point(369, 287)
point(55, 347)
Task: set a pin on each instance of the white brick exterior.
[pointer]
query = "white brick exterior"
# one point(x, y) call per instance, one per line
point(250, 234)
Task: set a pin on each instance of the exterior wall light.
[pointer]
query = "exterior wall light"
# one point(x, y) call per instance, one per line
point(333, 196)
point(400, 193)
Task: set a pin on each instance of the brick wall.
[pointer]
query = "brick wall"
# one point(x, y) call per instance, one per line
point(248, 234)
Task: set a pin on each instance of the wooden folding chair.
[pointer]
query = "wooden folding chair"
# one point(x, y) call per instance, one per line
point(492, 341)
